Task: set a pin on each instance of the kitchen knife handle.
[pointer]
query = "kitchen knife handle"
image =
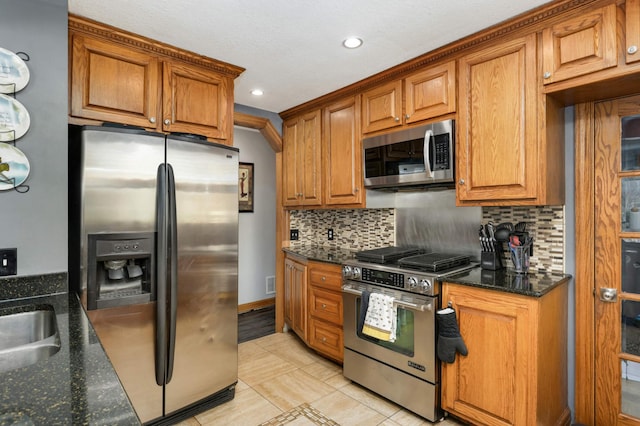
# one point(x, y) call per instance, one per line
point(173, 264)
point(427, 153)
point(161, 275)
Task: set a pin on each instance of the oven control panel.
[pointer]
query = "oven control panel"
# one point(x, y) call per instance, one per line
point(390, 279)
point(411, 281)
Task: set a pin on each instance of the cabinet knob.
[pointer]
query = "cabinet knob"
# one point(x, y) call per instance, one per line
point(632, 49)
point(152, 119)
point(397, 119)
point(546, 75)
point(167, 122)
point(324, 340)
point(324, 306)
point(323, 278)
point(406, 116)
point(461, 182)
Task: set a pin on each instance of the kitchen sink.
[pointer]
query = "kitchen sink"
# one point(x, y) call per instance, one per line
point(28, 334)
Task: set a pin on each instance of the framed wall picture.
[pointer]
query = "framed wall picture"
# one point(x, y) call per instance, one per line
point(245, 187)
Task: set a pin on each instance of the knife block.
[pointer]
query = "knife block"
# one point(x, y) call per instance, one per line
point(492, 260)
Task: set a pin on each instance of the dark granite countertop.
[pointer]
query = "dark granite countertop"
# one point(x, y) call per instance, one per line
point(77, 385)
point(534, 284)
point(320, 253)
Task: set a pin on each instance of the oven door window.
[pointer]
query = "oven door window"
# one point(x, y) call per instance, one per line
point(404, 343)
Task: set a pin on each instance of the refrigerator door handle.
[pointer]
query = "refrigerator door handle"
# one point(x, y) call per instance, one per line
point(173, 264)
point(161, 275)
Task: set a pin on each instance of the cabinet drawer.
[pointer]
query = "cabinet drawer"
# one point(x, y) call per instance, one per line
point(326, 305)
point(326, 276)
point(326, 338)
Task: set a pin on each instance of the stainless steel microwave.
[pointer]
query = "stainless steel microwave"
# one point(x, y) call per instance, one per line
point(417, 156)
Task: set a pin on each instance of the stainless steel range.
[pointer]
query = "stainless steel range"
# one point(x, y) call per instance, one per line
point(406, 369)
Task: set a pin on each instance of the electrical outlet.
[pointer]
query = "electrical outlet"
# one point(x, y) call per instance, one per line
point(8, 261)
point(293, 234)
point(330, 234)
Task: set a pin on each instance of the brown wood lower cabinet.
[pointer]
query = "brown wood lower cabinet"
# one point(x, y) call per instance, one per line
point(295, 295)
point(516, 370)
point(325, 309)
point(313, 304)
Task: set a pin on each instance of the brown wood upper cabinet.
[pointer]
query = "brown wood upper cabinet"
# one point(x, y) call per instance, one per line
point(632, 10)
point(509, 148)
point(97, 93)
point(580, 45)
point(428, 93)
point(322, 158)
point(342, 151)
point(302, 165)
point(197, 101)
point(131, 81)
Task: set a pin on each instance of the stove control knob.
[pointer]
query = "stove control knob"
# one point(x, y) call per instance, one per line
point(356, 273)
point(425, 285)
point(346, 272)
point(413, 282)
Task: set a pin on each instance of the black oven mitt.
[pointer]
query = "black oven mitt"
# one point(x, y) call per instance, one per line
point(449, 338)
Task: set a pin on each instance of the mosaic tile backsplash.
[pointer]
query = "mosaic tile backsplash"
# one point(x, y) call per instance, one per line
point(362, 229)
point(357, 229)
point(545, 224)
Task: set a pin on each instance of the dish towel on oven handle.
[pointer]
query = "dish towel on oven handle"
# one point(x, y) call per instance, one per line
point(449, 337)
point(380, 319)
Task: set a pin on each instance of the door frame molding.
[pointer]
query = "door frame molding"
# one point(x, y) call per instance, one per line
point(268, 130)
point(584, 148)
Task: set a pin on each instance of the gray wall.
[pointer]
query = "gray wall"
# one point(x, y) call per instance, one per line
point(36, 222)
point(257, 230)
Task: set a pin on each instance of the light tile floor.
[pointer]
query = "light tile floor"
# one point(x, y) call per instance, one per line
point(282, 382)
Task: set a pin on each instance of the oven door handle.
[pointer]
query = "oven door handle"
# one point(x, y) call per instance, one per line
point(414, 306)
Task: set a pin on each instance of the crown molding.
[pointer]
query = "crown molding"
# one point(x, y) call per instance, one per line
point(531, 21)
point(81, 25)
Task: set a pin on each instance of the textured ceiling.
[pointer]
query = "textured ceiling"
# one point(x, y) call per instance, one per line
point(291, 49)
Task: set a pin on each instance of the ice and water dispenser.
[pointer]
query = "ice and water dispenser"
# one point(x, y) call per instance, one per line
point(121, 269)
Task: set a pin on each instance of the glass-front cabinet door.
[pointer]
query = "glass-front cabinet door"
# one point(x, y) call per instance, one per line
point(617, 258)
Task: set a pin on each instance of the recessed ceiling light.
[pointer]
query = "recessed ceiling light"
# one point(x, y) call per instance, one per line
point(257, 92)
point(352, 42)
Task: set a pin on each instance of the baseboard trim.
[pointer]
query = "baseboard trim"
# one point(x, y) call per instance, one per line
point(259, 304)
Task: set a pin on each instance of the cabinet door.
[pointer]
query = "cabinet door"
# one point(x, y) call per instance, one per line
point(581, 45)
point(114, 83)
point(342, 151)
point(196, 100)
point(302, 167)
point(430, 93)
point(299, 300)
point(291, 191)
point(632, 10)
point(490, 384)
point(382, 107)
point(295, 296)
point(288, 295)
point(497, 146)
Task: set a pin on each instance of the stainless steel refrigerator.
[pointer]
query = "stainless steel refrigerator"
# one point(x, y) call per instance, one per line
point(153, 246)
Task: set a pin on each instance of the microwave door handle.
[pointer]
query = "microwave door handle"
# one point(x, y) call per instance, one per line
point(427, 152)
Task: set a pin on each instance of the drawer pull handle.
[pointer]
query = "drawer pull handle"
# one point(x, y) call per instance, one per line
point(324, 306)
